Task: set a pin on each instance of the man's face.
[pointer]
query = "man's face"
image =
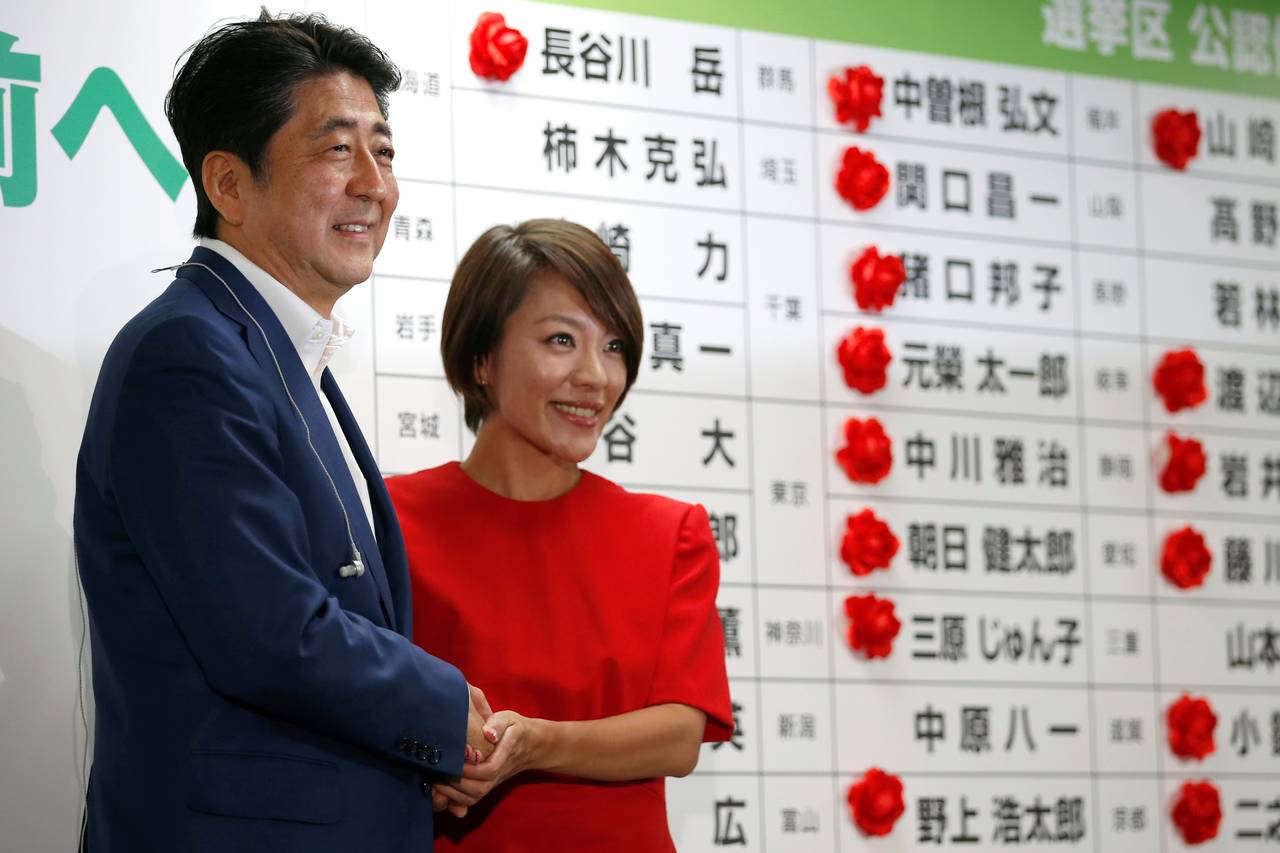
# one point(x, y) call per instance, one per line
point(318, 216)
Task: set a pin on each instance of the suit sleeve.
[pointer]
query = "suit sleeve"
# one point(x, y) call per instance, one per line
point(195, 469)
point(690, 667)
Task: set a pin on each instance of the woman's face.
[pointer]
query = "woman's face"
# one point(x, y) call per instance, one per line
point(556, 374)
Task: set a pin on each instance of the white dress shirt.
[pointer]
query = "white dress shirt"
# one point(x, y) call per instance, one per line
point(315, 339)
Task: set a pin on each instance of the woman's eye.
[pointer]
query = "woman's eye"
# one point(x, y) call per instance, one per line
point(615, 346)
point(562, 338)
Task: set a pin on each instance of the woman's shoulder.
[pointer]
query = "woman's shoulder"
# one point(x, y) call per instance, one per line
point(644, 507)
point(424, 487)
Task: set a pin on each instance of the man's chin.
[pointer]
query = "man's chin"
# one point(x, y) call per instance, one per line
point(348, 275)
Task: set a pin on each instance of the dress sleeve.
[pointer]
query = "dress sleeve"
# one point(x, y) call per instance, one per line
point(690, 667)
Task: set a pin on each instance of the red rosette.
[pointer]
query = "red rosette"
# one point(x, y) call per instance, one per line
point(497, 51)
point(868, 454)
point(1175, 137)
point(865, 360)
point(1186, 559)
point(876, 802)
point(1197, 812)
point(872, 625)
point(1179, 380)
point(862, 180)
point(856, 96)
point(1190, 722)
point(1185, 464)
point(876, 279)
point(868, 544)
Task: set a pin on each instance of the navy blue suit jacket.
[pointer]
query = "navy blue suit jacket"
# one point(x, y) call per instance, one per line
point(248, 697)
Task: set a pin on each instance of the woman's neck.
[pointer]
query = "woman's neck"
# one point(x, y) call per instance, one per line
point(504, 462)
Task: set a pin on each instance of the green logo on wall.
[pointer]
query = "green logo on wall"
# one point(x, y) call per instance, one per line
point(102, 89)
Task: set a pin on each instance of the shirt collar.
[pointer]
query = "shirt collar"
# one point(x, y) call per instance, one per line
point(315, 338)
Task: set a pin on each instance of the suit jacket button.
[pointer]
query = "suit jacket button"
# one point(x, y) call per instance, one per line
point(423, 753)
point(433, 755)
point(426, 789)
point(402, 745)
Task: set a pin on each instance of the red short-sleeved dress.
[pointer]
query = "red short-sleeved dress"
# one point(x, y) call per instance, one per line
point(588, 605)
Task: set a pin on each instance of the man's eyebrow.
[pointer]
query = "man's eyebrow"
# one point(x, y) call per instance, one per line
point(344, 123)
point(334, 123)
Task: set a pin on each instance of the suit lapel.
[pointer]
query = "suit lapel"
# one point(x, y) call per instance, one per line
point(390, 551)
point(241, 302)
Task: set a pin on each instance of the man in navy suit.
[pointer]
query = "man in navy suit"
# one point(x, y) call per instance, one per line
point(246, 581)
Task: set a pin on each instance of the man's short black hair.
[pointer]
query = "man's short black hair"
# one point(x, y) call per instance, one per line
point(238, 85)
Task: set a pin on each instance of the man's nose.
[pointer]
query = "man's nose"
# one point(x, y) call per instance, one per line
point(368, 181)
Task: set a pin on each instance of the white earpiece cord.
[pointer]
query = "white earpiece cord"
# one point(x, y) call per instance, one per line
point(356, 567)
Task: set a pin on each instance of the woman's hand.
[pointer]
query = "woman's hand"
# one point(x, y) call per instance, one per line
point(660, 740)
point(517, 742)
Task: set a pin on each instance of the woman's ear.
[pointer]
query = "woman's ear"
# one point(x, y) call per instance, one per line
point(483, 371)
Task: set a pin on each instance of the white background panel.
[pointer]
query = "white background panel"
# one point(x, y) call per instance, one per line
point(956, 283)
point(922, 729)
point(1040, 640)
point(928, 123)
point(1135, 271)
point(970, 212)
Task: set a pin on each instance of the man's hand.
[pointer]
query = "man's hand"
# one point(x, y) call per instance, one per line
point(439, 802)
point(478, 746)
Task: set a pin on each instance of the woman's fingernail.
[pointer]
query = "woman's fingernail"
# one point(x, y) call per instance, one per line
point(491, 735)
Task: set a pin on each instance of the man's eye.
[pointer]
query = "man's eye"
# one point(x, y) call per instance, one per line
point(562, 338)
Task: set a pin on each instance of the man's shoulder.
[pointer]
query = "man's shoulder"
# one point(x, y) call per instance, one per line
point(178, 336)
point(179, 330)
point(180, 322)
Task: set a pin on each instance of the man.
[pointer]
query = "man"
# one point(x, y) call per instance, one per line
point(246, 580)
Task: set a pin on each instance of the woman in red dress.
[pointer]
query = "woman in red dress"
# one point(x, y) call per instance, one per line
point(585, 611)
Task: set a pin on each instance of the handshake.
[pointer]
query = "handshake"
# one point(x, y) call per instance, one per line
point(498, 746)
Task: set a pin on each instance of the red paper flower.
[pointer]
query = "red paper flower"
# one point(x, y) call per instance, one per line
point(1175, 137)
point(876, 279)
point(868, 544)
point(872, 625)
point(1179, 380)
point(1186, 559)
point(497, 51)
point(876, 802)
point(1185, 465)
point(1190, 722)
point(857, 97)
point(863, 180)
point(1197, 812)
point(865, 360)
point(868, 454)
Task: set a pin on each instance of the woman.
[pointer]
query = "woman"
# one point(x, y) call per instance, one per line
point(587, 611)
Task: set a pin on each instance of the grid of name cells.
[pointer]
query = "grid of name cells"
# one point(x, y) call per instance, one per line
point(942, 504)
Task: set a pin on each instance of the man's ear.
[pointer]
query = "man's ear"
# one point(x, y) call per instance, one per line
point(226, 179)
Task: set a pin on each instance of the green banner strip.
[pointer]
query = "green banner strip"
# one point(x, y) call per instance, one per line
point(2, 137)
point(1229, 46)
point(104, 90)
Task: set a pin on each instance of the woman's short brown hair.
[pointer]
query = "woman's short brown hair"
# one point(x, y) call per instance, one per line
point(491, 282)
